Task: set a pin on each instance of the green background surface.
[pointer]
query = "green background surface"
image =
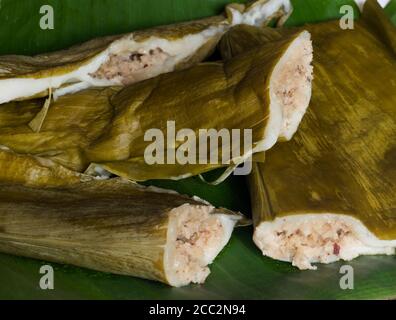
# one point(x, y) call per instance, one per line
point(240, 271)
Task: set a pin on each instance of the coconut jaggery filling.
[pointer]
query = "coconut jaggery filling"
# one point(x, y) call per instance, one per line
point(200, 236)
point(321, 242)
point(129, 67)
point(293, 84)
point(316, 239)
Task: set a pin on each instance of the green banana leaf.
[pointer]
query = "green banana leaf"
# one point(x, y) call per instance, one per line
point(317, 11)
point(240, 271)
point(391, 10)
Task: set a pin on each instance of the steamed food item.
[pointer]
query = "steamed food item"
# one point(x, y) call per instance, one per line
point(115, 226)
point(247, 92)
point(113, 60)
point(329, 194)
point(123, 59)
point(106, 127)
point(291, 86)
point(53, 213)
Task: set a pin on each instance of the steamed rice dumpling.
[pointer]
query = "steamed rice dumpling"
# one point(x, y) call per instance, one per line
point(115, 226)
point(123, 59)
point(329, 194)
point(247, 92)
point(266, 90)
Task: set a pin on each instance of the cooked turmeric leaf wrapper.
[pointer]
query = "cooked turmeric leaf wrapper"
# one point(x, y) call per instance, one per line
point(71, 124)
point(329, 194)
point(122, 59)
point(247, 92)
point(36, 171)
point(113, 60)
point(115, 226)
point(266, 90)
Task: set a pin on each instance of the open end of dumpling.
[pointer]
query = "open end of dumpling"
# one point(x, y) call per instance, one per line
point(291, 84)
point(196, 235)
point(318, 238)
point(125, 61)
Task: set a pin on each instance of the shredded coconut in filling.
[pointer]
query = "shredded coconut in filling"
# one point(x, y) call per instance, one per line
point(129, 67)
point(325, 238)
point(293, 85)
point(290, 91)
point(195, 237)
